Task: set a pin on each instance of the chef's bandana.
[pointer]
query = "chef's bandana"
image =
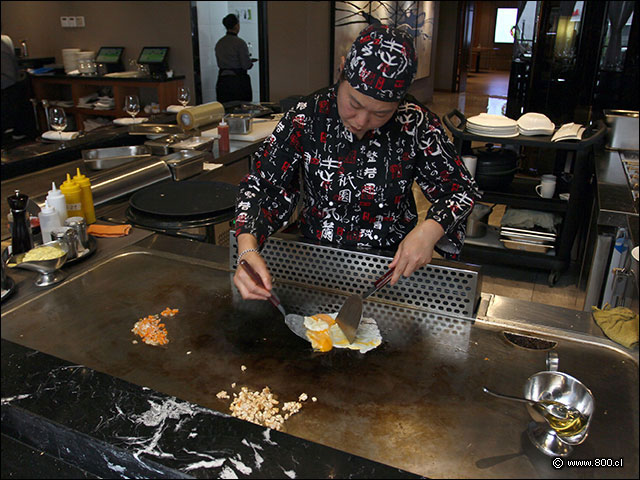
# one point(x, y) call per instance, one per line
point(381, 63)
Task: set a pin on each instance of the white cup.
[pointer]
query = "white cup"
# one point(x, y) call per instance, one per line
point(547, 186)
point(470, 162)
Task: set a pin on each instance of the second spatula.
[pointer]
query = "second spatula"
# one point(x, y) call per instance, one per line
point(350, 314)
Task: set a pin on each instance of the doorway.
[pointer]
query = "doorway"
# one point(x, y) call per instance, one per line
point(207, 29)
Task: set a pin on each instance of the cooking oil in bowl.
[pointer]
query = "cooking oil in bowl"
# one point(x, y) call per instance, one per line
point(567, 425)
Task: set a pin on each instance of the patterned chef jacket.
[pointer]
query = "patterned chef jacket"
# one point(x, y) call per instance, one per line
point(356, 192)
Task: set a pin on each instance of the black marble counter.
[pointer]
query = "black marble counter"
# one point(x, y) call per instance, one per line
point(87, 424)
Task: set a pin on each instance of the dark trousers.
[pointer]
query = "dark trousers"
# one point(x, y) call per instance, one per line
point(236, 87)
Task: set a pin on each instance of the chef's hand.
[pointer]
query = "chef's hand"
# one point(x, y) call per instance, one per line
point(416, 250)
point(242, 280)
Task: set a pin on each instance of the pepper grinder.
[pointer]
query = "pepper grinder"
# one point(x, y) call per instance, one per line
point(21, 239)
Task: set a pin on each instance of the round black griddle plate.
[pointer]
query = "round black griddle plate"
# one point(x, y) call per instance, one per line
point(185, 199)
point(160, 222)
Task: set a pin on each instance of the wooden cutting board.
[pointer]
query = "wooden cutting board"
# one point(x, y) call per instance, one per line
point(259, 130)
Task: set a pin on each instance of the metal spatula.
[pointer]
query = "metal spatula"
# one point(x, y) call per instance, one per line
point(350, 314)
point(293, 321)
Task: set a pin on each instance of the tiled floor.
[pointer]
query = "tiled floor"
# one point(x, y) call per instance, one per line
point(487, 92)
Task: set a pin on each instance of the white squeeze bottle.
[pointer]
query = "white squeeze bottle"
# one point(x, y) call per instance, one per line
point(56, 200)
point(49, 221)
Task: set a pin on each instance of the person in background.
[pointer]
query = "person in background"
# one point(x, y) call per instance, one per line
point(232, 55)
point(10, 77)
point(16, 117)
point(358, 145)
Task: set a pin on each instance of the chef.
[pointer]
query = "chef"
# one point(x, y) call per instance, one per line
point(357, 147)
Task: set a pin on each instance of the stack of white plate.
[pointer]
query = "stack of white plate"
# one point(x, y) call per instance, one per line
point(489, 125)
point(535, 124)
point(70, 59)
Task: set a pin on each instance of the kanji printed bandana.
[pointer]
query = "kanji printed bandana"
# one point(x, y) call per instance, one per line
point(381, 63)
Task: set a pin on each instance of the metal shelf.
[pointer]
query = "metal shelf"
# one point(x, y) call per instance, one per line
point(521, 194)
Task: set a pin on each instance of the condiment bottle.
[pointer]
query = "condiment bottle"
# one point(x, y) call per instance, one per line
point(73, 197)
point(21, 239)
point(88, 208)
point(223, 142)
point(49, 221)
point(56, 200)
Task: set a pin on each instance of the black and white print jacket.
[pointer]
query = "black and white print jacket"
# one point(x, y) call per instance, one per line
point(356, 192)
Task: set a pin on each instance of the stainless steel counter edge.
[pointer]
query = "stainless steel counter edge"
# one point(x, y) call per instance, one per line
point(523, 317)
point(615, 202)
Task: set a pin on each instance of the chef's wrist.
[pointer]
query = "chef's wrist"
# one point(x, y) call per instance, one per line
point(247, 244)
point(247, 240)
point(245, 252)
point(431, 231)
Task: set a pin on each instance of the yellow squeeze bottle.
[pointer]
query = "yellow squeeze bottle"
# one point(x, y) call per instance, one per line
point(87, 197)
point(73, 196)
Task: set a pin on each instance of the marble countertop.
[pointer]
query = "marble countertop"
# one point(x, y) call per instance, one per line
point(107, 427)
point(63, 417)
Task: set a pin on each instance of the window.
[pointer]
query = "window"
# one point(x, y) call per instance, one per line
point(506, 19)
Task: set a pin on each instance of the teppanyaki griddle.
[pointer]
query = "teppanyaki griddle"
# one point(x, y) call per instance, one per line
point(185, 199)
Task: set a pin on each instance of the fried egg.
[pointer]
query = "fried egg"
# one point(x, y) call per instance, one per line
point(324, 333)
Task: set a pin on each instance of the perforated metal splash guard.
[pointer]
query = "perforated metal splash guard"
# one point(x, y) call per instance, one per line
point(443, 287)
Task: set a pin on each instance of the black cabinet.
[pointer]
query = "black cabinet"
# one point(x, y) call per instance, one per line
point(521, 194)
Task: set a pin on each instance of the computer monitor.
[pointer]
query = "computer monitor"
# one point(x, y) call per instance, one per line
point(111, 58)
point(109, 55)
point(153, 55)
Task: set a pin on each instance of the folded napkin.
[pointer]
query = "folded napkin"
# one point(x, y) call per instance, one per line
point(53, 135)
point(108, 231)
point(620, 324)
point(174, 108)
point(129, 121)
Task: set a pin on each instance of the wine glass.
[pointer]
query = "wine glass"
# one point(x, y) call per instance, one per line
point(184, 95)
point(58, 119)
point(132, 106)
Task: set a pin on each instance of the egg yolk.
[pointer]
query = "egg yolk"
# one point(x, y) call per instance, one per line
point(321, 340)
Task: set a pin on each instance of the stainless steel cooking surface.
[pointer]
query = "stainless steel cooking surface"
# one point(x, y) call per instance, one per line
point(417, 398)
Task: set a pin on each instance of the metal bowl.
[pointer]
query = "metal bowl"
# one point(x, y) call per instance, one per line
point(563, 388)
point(239, 122)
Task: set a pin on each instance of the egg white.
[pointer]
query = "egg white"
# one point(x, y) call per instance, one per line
point(367, 338)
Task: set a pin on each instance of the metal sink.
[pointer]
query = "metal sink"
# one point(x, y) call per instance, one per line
point(415, 403)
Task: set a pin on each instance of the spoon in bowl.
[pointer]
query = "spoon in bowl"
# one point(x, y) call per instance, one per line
point(551, 407)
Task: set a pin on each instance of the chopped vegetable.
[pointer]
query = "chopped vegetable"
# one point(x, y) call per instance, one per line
point(151, 330)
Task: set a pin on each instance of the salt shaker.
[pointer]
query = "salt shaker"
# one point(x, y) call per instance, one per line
point(68, 236)
point(80, 226)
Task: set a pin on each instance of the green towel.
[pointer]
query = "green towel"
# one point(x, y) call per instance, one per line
point(620, 324)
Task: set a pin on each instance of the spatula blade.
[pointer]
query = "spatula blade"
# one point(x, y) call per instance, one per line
point(349, 317)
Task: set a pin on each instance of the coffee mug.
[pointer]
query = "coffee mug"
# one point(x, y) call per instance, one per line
point(547, 186)
point(470, 162)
